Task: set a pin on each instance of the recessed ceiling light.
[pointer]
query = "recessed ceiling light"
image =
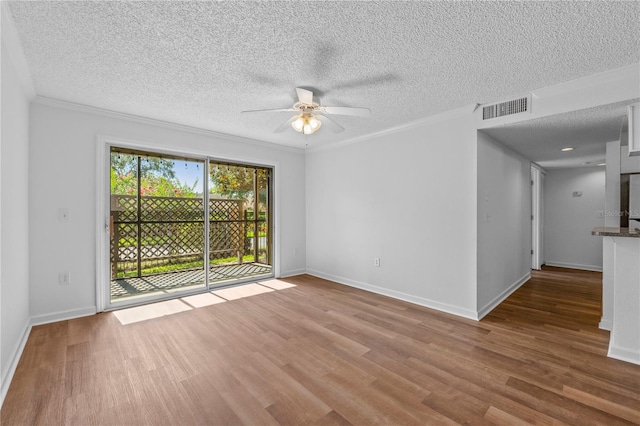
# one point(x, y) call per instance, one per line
point(567, 149)
point(602, 164)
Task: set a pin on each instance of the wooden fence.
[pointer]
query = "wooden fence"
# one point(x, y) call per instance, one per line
point(155, 232)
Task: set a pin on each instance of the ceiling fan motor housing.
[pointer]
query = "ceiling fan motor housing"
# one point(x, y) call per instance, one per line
point(306, 108)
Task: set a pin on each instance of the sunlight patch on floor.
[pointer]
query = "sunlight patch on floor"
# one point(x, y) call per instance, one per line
point(277, 284)
point(233, 293)
point(169, 307)
point(153, 310)
point(204, 299)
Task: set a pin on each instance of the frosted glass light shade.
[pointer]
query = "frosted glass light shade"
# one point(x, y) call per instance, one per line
point(306, 124)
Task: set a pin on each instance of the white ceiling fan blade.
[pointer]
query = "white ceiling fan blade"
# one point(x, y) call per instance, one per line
point(357, 112)
point(285, 125)
point(305, 96)
point(271, 110)
point(330, 124)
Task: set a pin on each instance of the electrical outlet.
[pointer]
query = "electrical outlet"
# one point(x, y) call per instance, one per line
point(376, 261)
point(63, 215)
point(64, 278)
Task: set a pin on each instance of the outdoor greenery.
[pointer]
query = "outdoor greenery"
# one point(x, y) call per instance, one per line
point(166, 239)
point(158, 178)
point(237, 181)
point(150, 185)
point(125, 164)
point(184, 266)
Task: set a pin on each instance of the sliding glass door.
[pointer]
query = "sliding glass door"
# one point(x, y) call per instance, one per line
point(239, 229)
point(160, 243)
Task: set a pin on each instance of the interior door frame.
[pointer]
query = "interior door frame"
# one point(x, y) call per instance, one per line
point(537, 216)
point(103, 191)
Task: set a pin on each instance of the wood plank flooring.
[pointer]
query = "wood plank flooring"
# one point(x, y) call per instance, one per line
point(321, 353)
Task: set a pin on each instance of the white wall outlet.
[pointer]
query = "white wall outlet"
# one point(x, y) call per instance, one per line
point(64, 278)
point(295, 251)
point(63, 215)
point(376, 261)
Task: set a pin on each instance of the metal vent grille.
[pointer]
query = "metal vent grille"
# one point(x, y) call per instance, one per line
point(505, 108)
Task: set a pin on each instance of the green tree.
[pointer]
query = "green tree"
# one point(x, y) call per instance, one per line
point(125, 164)
point(157, 177)
point(231, 181)
point(237, 181)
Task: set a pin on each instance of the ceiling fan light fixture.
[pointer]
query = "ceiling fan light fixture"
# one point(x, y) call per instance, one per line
point(298, 124)
point(306, 124)
point(306, 121)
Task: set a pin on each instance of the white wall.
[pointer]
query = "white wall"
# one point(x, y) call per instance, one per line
point(62, 175)
point(569, 220)
point(14, 218)
point(407, 197)
point(504, 222)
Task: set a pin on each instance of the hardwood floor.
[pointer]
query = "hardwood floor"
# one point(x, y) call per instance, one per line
point(322, 353)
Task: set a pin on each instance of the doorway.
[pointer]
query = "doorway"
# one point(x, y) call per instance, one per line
point(161, 246)
point(537, 218)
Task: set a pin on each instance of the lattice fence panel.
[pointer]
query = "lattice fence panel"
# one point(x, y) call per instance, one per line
point(226, 239)
point(124, 208)
point(220, 209)
point(172, 232)
point(124, 249)
point(172, 242)
point(154, 209)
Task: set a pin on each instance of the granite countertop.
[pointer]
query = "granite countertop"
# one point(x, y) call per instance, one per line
point(616, 232)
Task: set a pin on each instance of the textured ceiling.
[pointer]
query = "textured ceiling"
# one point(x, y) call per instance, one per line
point(201, 63)
point(541, 140)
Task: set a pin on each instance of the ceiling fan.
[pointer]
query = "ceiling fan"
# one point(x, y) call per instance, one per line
point(310, 116)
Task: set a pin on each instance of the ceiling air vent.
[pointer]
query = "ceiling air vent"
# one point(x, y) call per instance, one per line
point(515, 106)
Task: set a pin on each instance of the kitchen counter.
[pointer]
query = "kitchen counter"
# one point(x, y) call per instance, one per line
point(621, 279)
point(616, 232)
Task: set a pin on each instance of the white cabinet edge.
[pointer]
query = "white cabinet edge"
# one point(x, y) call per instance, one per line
point(634, 129)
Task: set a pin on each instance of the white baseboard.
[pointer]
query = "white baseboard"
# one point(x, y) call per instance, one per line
point(502, 296)
point(292, 273)
point(38, 320)
point(624, 354)
point(444, 307)
point(605, 324)
point(595, 268)
point(63, 315)
point(15, 359)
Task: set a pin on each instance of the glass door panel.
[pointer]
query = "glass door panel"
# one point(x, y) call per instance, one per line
point(239, 226)
point(157, 225)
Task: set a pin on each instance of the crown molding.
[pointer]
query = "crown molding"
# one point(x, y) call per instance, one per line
point(11, 40)
point(58, 103)
point(425, 121)
point(73, 106)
